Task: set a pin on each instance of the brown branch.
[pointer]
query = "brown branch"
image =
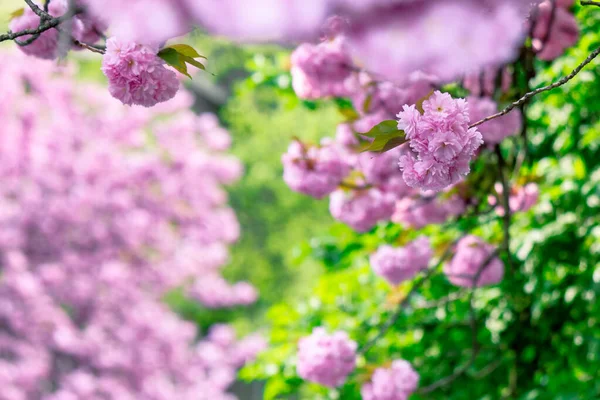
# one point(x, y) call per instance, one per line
point(38, 11)
point(43, 27)
point(537, 91)
point(589, 3)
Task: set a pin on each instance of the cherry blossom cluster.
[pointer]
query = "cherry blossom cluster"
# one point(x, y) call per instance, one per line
point(83, 28)
point(555, 29)
point(323, 70)
point(136, 75)
point(520, 198)
point(417, 211)
point(474, 264)
point(356, 36)
point(104, 210)
point(315, 171)
point(399, 264)
point(325, 358)
point(441, 142)
point(395, 383)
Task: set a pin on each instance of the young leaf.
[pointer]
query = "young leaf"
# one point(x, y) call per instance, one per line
point(186, 50)
point(386, 136)
point(179, 55)
point(383, 128)
point(16, 14)
point(173, 58)
point(384, 143)
point(190, 60)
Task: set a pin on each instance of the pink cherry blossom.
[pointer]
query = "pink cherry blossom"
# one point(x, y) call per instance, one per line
point(398, 264)
point(395, 383)
point(315, 171)
point(441, 142)
point(136, 75)
point(326, 359)
point(362, 209)
point(322, 70)
point(467, 268)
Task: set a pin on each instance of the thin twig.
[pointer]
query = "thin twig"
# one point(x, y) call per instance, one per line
point(491, 367)
point(589, 3)
point(443, 301)
point(394, 317)
point(38, 11)
point(537, 91)
point(92, 48)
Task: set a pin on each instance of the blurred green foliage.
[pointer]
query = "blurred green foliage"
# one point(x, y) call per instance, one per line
point(537, 332)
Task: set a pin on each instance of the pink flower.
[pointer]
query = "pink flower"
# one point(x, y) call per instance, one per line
point(315, 171)
point(418, 212)
point(441, 142)
point(467, 267)
point(399, 264)
point(361, 210)
point(326, 359)
point(521, 198)
point(382, 170)
point(550, 41)
point(136, 75)
point(322, 70)
point(395, 383)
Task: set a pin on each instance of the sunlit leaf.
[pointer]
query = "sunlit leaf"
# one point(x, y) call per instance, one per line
point(16, 13)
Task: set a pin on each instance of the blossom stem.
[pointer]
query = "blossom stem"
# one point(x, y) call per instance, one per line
point(537, 91)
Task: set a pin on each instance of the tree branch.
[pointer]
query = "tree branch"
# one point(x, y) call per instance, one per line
point(537, 91)
point(589, 3)
point(394, 317)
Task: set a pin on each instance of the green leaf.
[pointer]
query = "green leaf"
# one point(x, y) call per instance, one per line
point(386, 136)
point(347, 110)
point(16, 14)
point(384, 143)
point(386, 127)
point(349, 114)
point(173, 58)
point(179, 56)
point(186, 50)
point(195, 63)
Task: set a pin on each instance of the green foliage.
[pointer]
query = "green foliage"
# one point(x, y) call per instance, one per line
point(263, 117)
point(179, 56)
point(537, 334)
point(386, 136)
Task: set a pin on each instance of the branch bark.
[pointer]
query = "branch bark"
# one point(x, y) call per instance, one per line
point(537, 91)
